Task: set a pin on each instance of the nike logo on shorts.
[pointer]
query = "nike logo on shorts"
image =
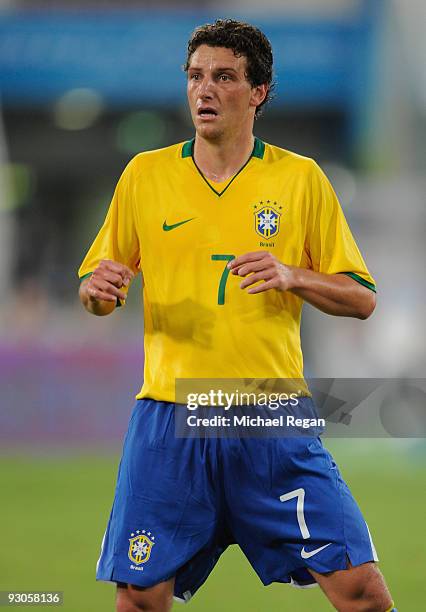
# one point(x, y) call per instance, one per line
point(167, 228)
point(308, 554)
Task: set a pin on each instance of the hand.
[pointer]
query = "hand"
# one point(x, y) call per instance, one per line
point(107, 280)
point(262, 266)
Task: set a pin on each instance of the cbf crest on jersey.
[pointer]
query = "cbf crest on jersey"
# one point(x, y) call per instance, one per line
point(267, 219)
point(140, 546)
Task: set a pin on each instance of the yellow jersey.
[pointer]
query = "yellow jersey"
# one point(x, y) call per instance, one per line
point(181, 230)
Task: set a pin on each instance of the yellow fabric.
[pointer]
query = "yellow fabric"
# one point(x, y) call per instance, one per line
point(220, 186)
point(188, 333)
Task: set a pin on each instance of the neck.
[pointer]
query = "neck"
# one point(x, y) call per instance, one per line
point(219, 160)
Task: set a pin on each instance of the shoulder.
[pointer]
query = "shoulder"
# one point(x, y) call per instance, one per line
point(147, 161)
point(283, 158)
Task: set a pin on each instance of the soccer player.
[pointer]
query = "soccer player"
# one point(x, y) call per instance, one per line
point(231, 235)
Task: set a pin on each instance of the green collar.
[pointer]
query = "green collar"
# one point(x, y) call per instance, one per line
point(258, 149)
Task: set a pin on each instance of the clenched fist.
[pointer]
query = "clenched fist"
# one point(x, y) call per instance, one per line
point(105, 285)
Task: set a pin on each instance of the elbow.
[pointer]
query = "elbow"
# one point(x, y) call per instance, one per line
point(367, 305)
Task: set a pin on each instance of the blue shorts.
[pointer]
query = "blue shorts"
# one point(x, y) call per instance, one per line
point(180, 502)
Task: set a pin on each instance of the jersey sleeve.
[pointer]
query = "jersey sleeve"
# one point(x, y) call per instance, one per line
point(117, 239)
point(330, 244)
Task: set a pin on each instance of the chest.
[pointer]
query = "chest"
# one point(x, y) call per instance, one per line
point(257, 211)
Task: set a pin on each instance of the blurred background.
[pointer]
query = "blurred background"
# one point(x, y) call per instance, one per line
point(84, 86)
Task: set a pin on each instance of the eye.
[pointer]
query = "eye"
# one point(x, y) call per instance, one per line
point(194, 77)
point(224, 77)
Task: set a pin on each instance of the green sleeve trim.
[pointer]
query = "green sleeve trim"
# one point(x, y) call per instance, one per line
point(361, 280)
point(259, 148)
point(187, 148)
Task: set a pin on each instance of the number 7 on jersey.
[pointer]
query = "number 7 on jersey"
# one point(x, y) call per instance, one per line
point(223, 278)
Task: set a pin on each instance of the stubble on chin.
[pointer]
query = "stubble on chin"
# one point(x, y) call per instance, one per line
point(210, 133)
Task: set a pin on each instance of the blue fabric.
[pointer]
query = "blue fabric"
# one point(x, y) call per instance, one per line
point(180, 502)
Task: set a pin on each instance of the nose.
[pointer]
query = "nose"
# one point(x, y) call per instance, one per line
point(206, 88)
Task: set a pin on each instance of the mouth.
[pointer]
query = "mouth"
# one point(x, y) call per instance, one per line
point(207, 112)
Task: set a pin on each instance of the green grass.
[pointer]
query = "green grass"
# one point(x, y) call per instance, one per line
point(54, 511)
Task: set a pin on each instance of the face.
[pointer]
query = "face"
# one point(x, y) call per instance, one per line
point(221, 100)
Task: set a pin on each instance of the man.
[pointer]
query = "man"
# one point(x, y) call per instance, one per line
point(231, 235)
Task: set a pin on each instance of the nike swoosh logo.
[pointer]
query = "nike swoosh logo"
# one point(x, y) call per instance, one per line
point(167, 228)
point(308, 554)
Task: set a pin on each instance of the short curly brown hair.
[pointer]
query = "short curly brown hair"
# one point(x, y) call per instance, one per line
point(244, 40)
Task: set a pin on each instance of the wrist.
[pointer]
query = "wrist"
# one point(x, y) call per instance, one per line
point(295, 278)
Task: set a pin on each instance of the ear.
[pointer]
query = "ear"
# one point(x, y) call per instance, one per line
point(258, 94)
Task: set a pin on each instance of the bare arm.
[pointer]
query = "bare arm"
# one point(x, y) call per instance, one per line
point(334, 294)
point(99, 292)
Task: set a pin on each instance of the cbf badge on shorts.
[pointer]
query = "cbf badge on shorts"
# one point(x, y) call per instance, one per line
point(140, 546)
